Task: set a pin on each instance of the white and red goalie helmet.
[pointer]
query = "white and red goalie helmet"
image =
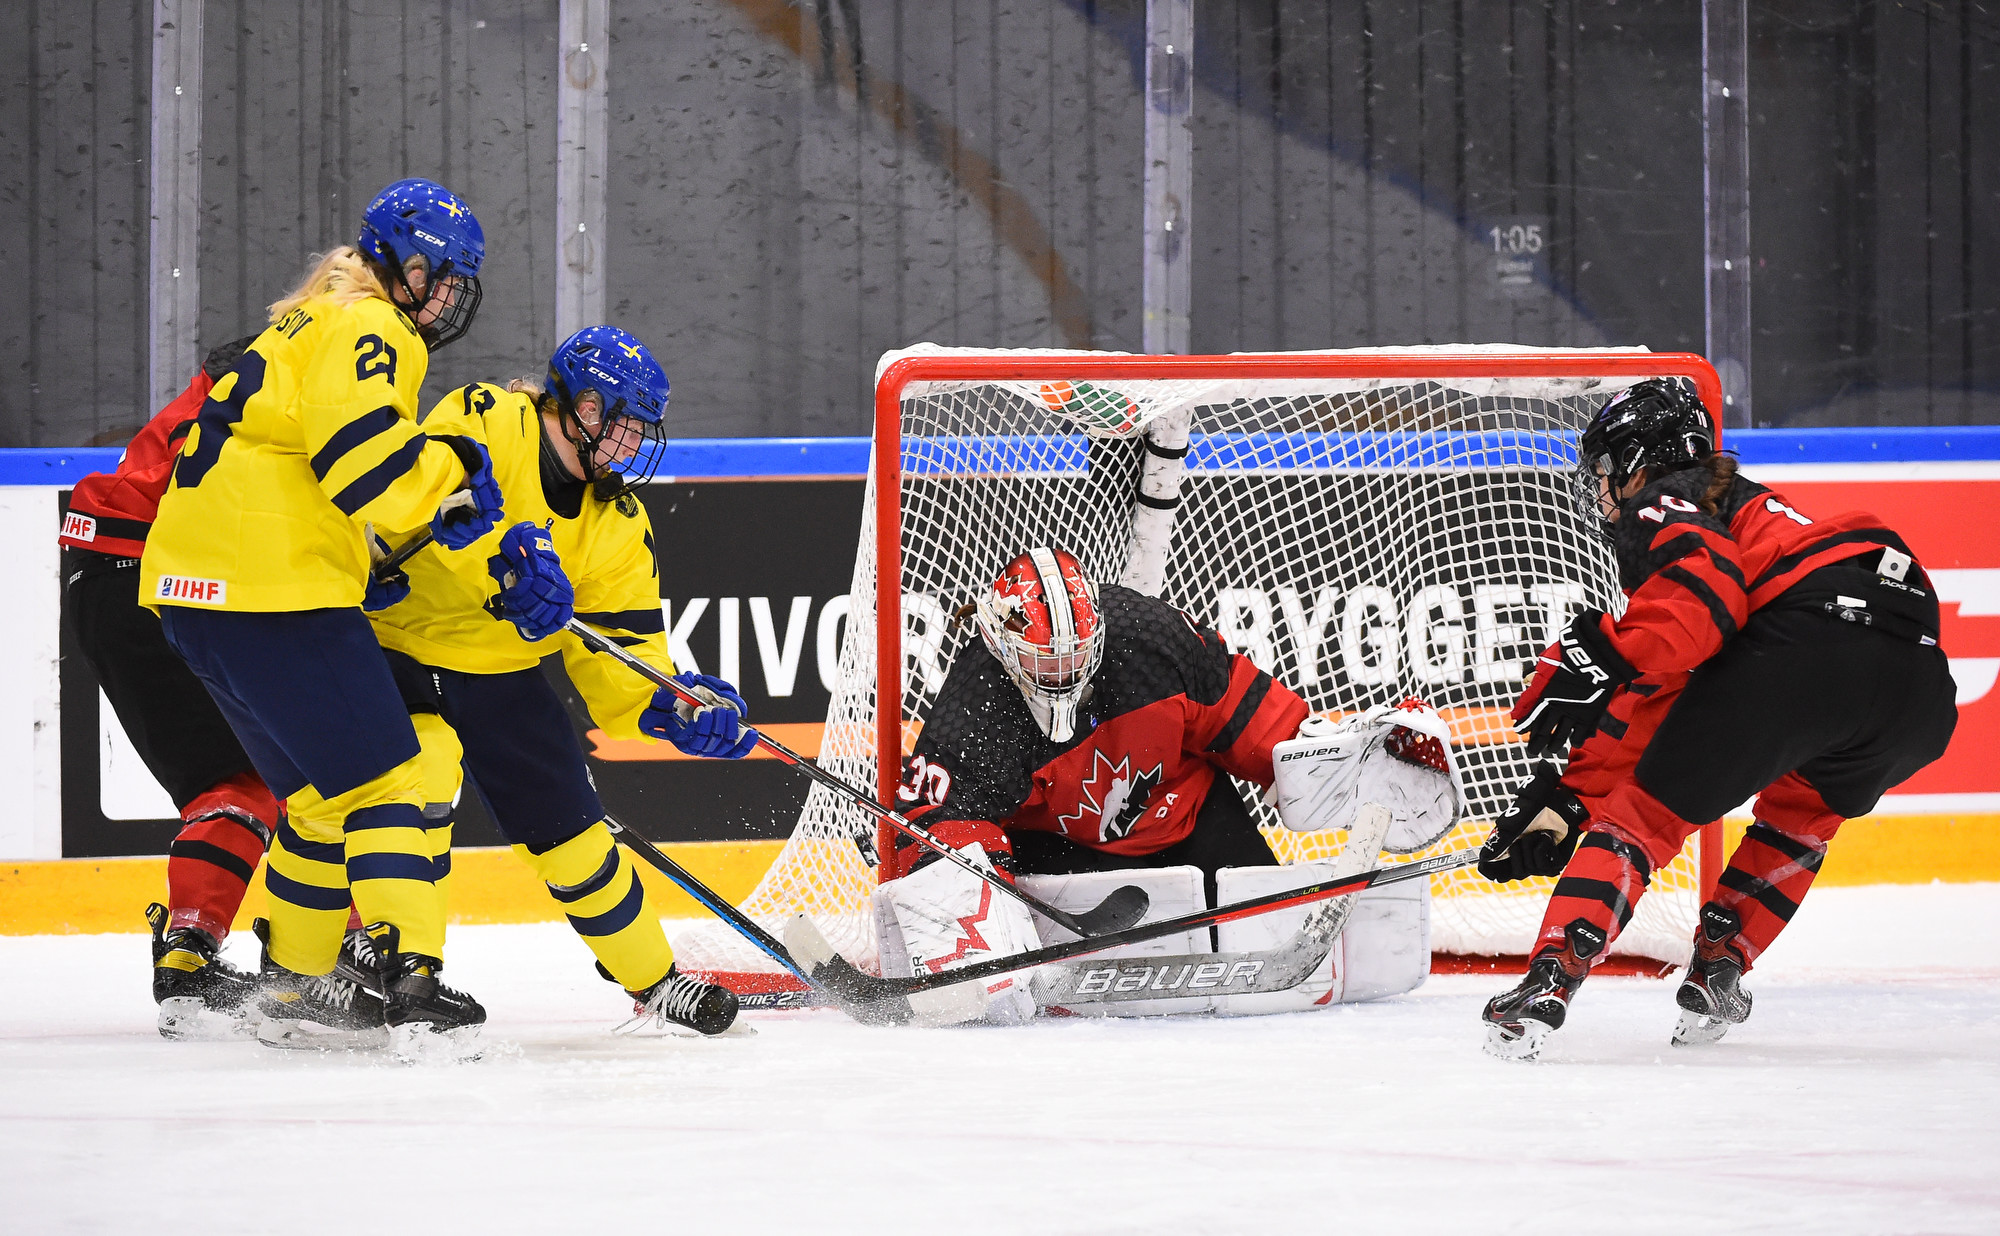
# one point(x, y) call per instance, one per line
point(1042, 622)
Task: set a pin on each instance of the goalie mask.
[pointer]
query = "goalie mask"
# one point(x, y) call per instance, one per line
point(1042, 622)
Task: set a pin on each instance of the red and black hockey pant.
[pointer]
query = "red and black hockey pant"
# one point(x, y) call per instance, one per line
point(1816, 716)
point(227, 814)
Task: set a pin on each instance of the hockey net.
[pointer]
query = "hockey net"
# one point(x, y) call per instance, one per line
point(1365, 525)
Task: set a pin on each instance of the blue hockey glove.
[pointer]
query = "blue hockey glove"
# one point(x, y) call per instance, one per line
point(475, 510)
point(383, 590)
point(535, 595)
point(713, 731)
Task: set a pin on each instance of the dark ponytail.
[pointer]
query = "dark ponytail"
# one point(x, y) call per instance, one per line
point(1722, 470)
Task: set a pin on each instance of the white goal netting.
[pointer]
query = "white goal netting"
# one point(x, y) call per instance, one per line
point(1358, 526)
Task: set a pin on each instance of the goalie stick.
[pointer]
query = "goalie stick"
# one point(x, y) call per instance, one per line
point(1279, 968)
point(886, 1001)
point(1121, 909)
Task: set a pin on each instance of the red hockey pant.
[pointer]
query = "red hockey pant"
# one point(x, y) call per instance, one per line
point(1633, 834)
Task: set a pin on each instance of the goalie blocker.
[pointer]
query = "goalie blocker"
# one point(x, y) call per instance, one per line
point(1385, 777)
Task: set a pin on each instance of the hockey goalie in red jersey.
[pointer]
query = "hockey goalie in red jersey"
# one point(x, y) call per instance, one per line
point(1763, 651)
point(1096, 735)
point(1097, 730)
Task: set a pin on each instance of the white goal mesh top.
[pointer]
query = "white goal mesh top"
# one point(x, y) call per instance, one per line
point(1365, 525)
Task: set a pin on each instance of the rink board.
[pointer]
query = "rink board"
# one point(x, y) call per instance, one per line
point(769, 619)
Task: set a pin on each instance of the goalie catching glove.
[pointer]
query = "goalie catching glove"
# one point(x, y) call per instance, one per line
point(1399, 758)
point(1573, 685)
point(535, 594)
point(1539, 832)
point(714, 731)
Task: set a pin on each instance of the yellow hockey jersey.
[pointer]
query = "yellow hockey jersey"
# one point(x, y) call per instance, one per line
point(311, 434)
point(452, 617)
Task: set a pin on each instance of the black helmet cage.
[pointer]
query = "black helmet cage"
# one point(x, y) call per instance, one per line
point(1657, 424)
point(451, 318)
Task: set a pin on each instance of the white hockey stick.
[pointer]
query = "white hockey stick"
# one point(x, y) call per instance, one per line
point(1280, 968)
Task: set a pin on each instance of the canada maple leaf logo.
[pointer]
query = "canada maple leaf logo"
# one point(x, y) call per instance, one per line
point(1114, 795)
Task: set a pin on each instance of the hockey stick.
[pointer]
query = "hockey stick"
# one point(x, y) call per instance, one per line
point(403, 553)
point(709, 899)
point(883, 1001)
point(1124, 907)
point(947, 1007)
point(1279, 968)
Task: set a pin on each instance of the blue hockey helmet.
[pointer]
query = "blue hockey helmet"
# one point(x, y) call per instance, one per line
point(421, 218)
point(631, 387)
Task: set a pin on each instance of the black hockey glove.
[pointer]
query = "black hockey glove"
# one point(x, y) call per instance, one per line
point(1537, 834)
point(1573, 684)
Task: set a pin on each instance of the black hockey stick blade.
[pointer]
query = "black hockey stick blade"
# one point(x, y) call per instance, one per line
point(1123, 908)
point(866, 989)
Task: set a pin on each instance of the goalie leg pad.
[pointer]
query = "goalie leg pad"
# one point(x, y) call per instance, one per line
point(1383, 951)
point(941, 917)
point(1170, 891)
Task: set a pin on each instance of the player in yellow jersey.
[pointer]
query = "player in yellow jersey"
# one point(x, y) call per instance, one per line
point(258, 564)
point(464, 636)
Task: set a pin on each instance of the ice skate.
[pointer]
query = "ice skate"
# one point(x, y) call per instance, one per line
point(708, 1009)
point(327, 1012)
point(427, 1020)
point(200, 995)
point(1711, 994)
point(1517, 1021)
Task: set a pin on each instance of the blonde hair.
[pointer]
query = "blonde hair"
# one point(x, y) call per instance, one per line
point(527, 386)
point(341, 274)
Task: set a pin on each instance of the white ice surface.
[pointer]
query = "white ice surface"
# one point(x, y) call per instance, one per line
point(1863, 1096)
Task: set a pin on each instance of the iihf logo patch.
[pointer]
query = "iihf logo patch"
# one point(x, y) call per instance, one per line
point(188, 590)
